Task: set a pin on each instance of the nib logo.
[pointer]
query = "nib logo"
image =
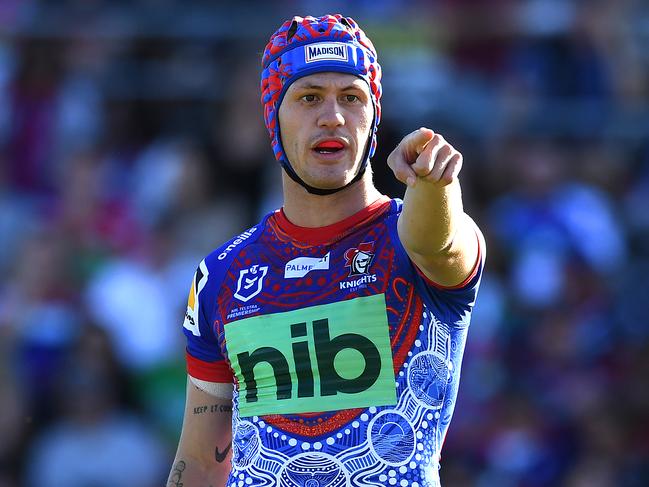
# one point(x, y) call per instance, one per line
point(319, 358)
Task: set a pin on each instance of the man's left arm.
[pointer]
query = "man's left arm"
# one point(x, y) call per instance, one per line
point(438, 236)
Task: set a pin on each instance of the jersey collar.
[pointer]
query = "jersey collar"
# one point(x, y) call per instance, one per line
point(320, 235)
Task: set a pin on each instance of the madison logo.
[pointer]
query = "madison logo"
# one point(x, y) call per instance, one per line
point(322, 358)
point(359, 259)
point(250, 282)
point(198, 283)
point(325, 51)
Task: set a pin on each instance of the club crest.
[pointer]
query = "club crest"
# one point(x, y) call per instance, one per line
point(359, 259)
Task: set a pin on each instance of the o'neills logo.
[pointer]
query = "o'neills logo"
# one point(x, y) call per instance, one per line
point(325, 51)
point(244, 236)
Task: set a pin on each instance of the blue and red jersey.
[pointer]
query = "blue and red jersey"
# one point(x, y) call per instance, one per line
point(345, 357)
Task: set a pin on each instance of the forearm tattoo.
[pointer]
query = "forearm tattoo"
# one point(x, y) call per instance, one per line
point(220, 456)
point(177, 474)
point(213, 408)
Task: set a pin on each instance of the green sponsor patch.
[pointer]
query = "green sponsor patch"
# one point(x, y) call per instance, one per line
point(322, 358)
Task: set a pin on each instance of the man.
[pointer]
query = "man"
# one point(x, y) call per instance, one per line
point(340, 318)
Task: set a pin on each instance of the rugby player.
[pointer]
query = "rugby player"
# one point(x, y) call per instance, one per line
point(324, 344)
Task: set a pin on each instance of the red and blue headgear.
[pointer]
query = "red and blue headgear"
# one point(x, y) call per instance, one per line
point(304, 46)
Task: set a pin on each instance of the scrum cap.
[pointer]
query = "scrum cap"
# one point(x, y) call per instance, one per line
point(304, 46)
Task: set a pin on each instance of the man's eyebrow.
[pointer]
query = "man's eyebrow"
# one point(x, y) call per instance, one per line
point(312, 86)
point(308, 86)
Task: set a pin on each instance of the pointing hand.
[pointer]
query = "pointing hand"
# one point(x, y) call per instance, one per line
point(425, 155)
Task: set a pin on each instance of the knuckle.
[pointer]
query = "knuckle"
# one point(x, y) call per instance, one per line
point(422, 171)
point(398, 168)
point(402, 175)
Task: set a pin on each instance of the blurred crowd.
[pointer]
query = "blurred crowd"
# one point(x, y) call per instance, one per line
point(132, 144)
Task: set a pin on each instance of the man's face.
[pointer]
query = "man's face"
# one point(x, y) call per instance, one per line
point(325, 121)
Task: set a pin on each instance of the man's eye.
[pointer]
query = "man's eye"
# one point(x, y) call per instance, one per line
point(351, 98)
point(309, 98)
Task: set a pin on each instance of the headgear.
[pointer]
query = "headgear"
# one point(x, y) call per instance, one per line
point(304, 46)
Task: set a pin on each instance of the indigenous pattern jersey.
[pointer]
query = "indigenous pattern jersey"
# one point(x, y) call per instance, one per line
point(345, 358)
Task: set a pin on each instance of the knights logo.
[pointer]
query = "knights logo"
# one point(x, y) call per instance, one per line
point(359, 259)
point(250, 282)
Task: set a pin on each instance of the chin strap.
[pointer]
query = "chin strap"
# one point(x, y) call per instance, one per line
point(323, 192)
point(320, 191)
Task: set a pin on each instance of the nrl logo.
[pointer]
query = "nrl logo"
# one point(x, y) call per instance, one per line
point(359, 259)
point(250, 282)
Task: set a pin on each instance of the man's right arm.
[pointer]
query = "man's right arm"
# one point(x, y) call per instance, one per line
point(203, 458)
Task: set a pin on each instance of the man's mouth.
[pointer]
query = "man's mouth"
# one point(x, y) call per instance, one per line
point(329, 147)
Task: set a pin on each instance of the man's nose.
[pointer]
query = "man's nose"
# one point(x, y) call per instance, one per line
point(331, 114)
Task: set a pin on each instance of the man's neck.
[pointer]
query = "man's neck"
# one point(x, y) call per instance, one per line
point(312, 211)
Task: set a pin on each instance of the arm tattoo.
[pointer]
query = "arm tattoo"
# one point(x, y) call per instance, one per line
point(213, 408)
point(220, 456)
point(177, 474)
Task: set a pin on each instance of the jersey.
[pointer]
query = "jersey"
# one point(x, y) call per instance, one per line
point(345, 357)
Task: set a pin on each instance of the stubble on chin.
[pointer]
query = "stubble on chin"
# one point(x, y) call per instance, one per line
point(328, 176)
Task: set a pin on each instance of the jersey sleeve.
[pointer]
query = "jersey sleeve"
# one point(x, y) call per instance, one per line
point(460, 299)
point(455, 303)
point(204, 358)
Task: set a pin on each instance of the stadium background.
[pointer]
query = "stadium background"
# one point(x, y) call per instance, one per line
point(132, 143)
